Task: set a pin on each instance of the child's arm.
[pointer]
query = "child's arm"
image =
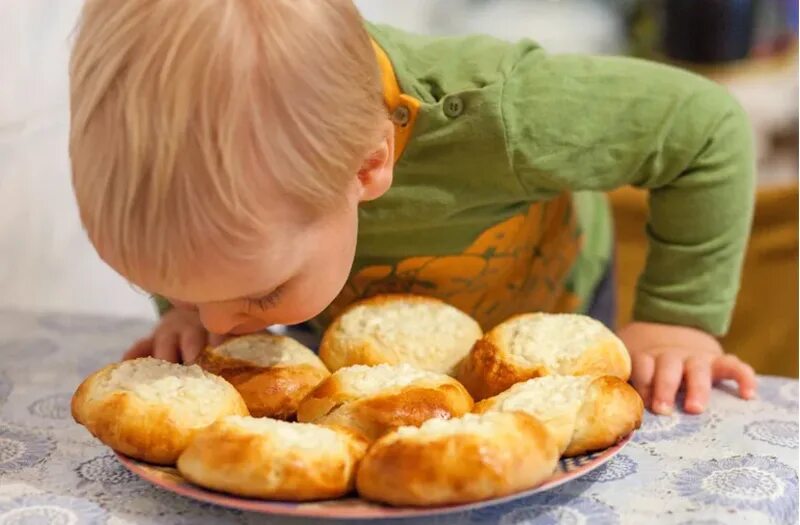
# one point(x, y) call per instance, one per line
point(578, 123)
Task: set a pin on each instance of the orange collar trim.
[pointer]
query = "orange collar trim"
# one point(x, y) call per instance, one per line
point(402, 108)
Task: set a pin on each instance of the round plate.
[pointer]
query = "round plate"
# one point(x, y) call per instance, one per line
point(355, 508)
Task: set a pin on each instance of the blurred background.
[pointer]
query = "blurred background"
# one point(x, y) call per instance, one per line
point(46, 264)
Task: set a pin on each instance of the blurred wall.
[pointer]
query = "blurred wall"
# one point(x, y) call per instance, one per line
point(574, 26)
point(46, 262)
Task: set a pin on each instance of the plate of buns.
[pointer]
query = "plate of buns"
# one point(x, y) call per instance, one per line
point(408, 410)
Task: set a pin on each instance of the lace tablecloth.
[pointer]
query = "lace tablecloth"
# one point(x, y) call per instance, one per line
point(735, 464)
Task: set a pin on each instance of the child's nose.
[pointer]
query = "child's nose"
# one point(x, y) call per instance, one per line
point(223, 322)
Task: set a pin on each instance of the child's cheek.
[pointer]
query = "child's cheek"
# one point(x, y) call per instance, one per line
point(307, 302)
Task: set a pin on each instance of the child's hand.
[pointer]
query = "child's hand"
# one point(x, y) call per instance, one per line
point(178, 337)
point(663, 356)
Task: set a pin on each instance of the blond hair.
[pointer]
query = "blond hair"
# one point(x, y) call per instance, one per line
point(187, 114)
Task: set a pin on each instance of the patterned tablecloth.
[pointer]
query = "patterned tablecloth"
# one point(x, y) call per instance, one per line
point(735, 464)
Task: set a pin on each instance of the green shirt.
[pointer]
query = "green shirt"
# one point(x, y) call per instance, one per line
point(501, 126)
point(497, 204)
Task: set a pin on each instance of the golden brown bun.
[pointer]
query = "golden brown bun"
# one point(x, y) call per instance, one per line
point(471, 458)
point(150, 409)
point(536, 345)
point(272, 373)
point(375, 400)
point(421, 331)
point(272, 459)
point(582, 413)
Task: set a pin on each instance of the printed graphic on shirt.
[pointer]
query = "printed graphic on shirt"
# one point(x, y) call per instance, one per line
point(519, 265)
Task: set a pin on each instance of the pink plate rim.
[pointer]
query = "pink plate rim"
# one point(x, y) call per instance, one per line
point(350, 508)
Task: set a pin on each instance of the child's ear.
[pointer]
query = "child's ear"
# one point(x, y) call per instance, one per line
point(375, 175)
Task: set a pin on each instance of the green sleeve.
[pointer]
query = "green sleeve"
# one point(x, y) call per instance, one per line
point(162, 305)
point(582, 123)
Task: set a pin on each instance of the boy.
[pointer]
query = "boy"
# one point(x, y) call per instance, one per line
point(268, 162)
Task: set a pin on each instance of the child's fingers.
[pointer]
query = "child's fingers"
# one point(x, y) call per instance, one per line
point(731, 367)
point(141, 348)
point(666, 381)
point(217, 339)
point(697, 374)
point(642, 368)
point(166, 347)
point(192, 343)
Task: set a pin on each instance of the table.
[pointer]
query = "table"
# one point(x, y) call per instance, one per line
point(737, 463)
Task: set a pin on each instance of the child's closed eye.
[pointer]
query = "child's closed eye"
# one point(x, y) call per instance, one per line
point(265, 302)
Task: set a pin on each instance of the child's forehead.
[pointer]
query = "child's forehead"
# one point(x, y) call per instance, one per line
point(224, 278)
point(221, 268)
